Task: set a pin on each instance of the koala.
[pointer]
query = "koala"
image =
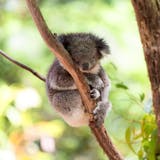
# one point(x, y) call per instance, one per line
point(86, 50)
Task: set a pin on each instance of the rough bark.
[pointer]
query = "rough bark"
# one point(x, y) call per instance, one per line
point(78, 77)
point(148, 19)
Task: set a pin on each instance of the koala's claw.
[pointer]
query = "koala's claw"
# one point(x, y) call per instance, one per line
point(95, 94)
point(98, 116)
point(99, 113)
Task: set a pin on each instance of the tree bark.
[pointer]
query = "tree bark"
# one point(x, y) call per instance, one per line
point(65, 59)
point(148, 19)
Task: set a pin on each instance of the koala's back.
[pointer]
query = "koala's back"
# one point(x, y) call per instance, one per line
point(58, 78)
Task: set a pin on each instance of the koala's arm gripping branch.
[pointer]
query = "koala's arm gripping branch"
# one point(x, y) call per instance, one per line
point(78, 77)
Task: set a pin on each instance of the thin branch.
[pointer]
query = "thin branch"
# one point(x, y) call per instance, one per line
point(22, 66)
point(63, 56)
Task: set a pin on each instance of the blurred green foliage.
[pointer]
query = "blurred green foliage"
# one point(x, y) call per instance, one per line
point(29, 127)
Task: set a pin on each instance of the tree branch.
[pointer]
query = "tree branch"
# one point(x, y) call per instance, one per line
point(148, 19)
point(23, 66)
point(63, 56)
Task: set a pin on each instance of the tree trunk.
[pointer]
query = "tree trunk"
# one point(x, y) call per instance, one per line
point(148, 19)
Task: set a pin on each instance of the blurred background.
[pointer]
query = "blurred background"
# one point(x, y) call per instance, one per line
point(29, 127)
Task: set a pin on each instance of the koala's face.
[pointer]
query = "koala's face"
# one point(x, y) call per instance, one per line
point(84, 54)
point(85, 50)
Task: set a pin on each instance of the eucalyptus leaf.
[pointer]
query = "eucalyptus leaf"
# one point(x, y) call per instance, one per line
point(121, 85)
point(128, 136)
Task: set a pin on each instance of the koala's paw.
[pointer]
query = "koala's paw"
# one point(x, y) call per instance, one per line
point(99, 112)
point(99, 84)
point(95, 94)
point(95, 82)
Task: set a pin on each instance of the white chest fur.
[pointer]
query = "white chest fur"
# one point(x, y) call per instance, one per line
point(77, 118)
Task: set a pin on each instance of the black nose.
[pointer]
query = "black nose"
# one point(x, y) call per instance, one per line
point(85, 66)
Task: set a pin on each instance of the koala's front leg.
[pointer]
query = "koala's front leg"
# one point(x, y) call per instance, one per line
point(100, 111)
point(103, 105)
point(101, 108)
point(94, 81)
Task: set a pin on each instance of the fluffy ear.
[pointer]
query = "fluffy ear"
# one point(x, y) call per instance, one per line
point(102, 47)
point(63, 39)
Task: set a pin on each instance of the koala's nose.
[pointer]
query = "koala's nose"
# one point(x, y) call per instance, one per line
point(85, 66)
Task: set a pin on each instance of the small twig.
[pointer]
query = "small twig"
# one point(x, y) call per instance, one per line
point(22, 66)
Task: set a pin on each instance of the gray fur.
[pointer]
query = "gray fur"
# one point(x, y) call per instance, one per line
point(86, 50)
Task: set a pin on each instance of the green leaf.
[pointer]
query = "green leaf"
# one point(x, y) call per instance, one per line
point(152, 146)
point(142, 96)
point(140, 153)
point(121, 85)
point(128, 136)
point(113, 65)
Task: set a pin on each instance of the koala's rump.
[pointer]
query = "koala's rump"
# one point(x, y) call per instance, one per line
point(69, 105)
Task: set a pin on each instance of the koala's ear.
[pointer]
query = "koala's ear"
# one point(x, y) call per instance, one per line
point(63, 39)
point(102, 47)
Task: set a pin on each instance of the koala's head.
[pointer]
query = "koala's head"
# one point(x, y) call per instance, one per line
point(85, 49)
